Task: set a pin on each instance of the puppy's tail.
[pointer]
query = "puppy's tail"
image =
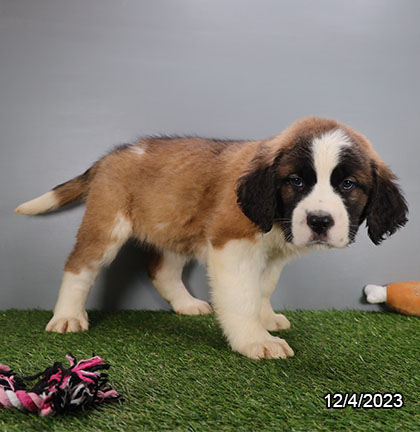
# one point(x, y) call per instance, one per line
point(75, 189)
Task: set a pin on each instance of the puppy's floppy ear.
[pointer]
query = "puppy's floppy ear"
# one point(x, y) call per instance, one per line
point(387, 208)
point(256, 192)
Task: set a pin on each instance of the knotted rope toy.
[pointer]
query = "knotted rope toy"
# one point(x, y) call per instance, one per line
point(60, 389)
point(404, 297)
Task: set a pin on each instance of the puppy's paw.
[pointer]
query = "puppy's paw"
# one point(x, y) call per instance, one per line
point(68, 324)
point(271, 348)
point(275, 322)
point(193, 307)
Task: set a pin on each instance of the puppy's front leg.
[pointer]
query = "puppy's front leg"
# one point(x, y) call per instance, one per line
point(269, 278)
point(235, 273)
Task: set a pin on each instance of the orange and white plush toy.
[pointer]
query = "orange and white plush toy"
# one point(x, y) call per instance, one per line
point(403, 297)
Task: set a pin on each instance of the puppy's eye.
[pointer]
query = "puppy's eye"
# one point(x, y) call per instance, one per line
point(295, 181)
point(347, 185)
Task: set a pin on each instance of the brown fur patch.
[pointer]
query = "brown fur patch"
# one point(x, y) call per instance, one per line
point(75, 189)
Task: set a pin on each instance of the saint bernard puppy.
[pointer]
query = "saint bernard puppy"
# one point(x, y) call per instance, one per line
point(244, 208)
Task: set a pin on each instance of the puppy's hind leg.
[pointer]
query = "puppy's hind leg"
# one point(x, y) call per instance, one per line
point(165, 270)
point(98, 241)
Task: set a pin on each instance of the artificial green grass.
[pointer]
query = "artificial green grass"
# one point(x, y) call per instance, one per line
point(177, 372)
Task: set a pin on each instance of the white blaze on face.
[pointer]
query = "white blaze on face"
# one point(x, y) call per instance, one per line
point(323, 199)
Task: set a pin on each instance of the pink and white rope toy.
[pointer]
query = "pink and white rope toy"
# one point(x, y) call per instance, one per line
point(60, 389)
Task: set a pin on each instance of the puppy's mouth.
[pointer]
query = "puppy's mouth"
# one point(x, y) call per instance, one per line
point(315, 241)
point(319, 238)
point(322, 241)
point(319, 242)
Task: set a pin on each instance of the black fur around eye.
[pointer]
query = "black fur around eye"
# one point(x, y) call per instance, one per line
point(347, 185)
point(295, 181)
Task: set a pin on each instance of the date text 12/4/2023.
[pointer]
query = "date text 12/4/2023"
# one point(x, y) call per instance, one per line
point(364, 400)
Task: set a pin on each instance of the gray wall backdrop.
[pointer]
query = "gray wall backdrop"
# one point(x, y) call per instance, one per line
point(77, 77)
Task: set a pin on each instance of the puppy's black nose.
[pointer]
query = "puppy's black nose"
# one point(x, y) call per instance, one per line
point(319, 222)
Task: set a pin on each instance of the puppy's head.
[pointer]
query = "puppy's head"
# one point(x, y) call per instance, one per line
point(319, 181)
